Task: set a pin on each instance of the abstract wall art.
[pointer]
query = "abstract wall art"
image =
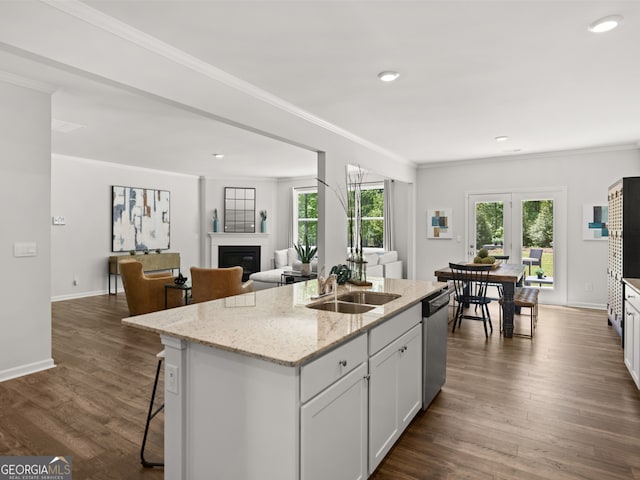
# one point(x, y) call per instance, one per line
point(140, 219)
point(439, 223)
point(595, 220)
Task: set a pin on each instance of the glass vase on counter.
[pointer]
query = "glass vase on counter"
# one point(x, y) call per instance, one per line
point(358, 268)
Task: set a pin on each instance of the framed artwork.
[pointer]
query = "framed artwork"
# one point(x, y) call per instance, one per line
point(139, 219)
point(595, 220)
point(439, 223)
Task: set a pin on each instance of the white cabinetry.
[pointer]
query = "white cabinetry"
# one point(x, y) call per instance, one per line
point(632, 334)
point(395, 385)
point(333, 438)
point(333, 423)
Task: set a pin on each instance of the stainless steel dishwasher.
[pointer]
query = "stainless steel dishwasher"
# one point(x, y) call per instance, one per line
point(435, 315)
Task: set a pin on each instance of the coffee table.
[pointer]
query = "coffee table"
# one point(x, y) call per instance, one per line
point(288, 277)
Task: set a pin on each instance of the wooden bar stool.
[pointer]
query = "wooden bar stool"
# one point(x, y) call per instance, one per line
point(525, 297)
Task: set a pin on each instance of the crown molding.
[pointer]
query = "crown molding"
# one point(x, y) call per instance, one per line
point(109, 24)
point(26, 82)
point(108, 164)
point(531, 156)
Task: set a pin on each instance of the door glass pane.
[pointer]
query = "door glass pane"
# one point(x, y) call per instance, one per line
point(537, 242)
point(490, 227)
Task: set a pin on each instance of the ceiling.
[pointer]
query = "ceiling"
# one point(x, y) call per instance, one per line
point(470, 71)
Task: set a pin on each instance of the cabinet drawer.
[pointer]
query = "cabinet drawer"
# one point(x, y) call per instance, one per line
point(387, 332)
point(322, 372)
point(631, 296)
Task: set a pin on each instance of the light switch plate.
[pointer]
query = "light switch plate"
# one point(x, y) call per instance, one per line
point(25, 249)
point(58, 220)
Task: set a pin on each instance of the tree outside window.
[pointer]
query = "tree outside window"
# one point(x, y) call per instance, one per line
point(306, 221)
point(306, 213)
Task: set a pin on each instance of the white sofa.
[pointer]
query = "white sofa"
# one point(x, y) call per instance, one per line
point(379, 264)
point(283, 260)
point(384, 264)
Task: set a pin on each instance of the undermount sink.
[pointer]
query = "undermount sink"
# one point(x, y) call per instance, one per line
point(368, 298)
point(341, 307)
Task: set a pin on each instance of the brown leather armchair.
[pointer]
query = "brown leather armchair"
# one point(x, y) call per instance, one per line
point(145, 292)
point(214, 283)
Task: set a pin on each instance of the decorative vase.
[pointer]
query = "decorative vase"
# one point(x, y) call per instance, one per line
point(305, 269)
point(216, 225)
point(358, 270)
point(263, 226)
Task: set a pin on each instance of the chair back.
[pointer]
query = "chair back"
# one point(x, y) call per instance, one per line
point(470, 282)
point(144, 294)
point(537, 254)
point(213, 283)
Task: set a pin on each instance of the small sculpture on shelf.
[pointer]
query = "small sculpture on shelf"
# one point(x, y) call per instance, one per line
point(263, 221)
point(216, 222)
point(180, 279)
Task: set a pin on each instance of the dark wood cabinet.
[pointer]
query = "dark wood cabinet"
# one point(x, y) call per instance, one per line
point(624, 244)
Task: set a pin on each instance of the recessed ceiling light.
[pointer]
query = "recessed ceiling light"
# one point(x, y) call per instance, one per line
point(388, 76)
point(605, 24)
point(502, 138)
point(218, 155)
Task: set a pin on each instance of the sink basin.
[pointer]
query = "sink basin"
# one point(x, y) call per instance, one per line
point(341, 307)
point(369, 298)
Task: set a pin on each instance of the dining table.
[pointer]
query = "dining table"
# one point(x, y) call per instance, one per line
point(509, 276)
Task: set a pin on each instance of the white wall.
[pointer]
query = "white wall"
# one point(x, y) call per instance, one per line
point(81, 193)
point(25, 185)
point(586, 174)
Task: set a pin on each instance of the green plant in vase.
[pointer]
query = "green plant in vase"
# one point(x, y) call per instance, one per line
point(306, 253)
point(539, 272)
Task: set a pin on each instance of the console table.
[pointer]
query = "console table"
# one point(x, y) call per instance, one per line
point(151, 262)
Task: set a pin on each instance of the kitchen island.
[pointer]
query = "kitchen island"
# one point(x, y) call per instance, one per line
point(262, 386)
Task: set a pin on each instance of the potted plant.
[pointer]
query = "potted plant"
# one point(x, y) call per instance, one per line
point(539, 272)
point(263, 221)
point(306, 253)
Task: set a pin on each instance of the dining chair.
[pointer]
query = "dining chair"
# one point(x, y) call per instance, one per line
point(470, 284)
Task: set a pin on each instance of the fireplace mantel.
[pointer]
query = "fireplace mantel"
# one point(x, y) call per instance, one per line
point(223, 239)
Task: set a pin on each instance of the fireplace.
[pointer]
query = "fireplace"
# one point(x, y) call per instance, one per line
point(245, 256)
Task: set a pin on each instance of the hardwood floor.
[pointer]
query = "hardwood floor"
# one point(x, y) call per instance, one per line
point(562, 406)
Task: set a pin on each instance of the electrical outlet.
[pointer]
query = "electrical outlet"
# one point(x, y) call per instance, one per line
point(58, 221)
point(171, 377)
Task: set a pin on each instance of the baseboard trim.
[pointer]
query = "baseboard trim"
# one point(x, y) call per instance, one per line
point(594, 306)
point(27, 369)
point(73, 296)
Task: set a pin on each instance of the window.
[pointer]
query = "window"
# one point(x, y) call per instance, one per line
point(305, 209)
point(305, 220)
point(372, 201)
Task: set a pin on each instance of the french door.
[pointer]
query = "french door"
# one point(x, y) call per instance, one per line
point(528, 226)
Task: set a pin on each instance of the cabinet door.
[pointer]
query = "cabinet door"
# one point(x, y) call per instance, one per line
point(333, 430)
point(632, 341)
point(395, 392)
point(635, 373)
point(410, 378)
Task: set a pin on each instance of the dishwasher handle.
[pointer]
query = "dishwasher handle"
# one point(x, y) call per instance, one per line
point(431, 305)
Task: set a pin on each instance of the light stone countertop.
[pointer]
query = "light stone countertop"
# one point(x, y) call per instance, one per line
point(275, 325)
point(633, 283)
